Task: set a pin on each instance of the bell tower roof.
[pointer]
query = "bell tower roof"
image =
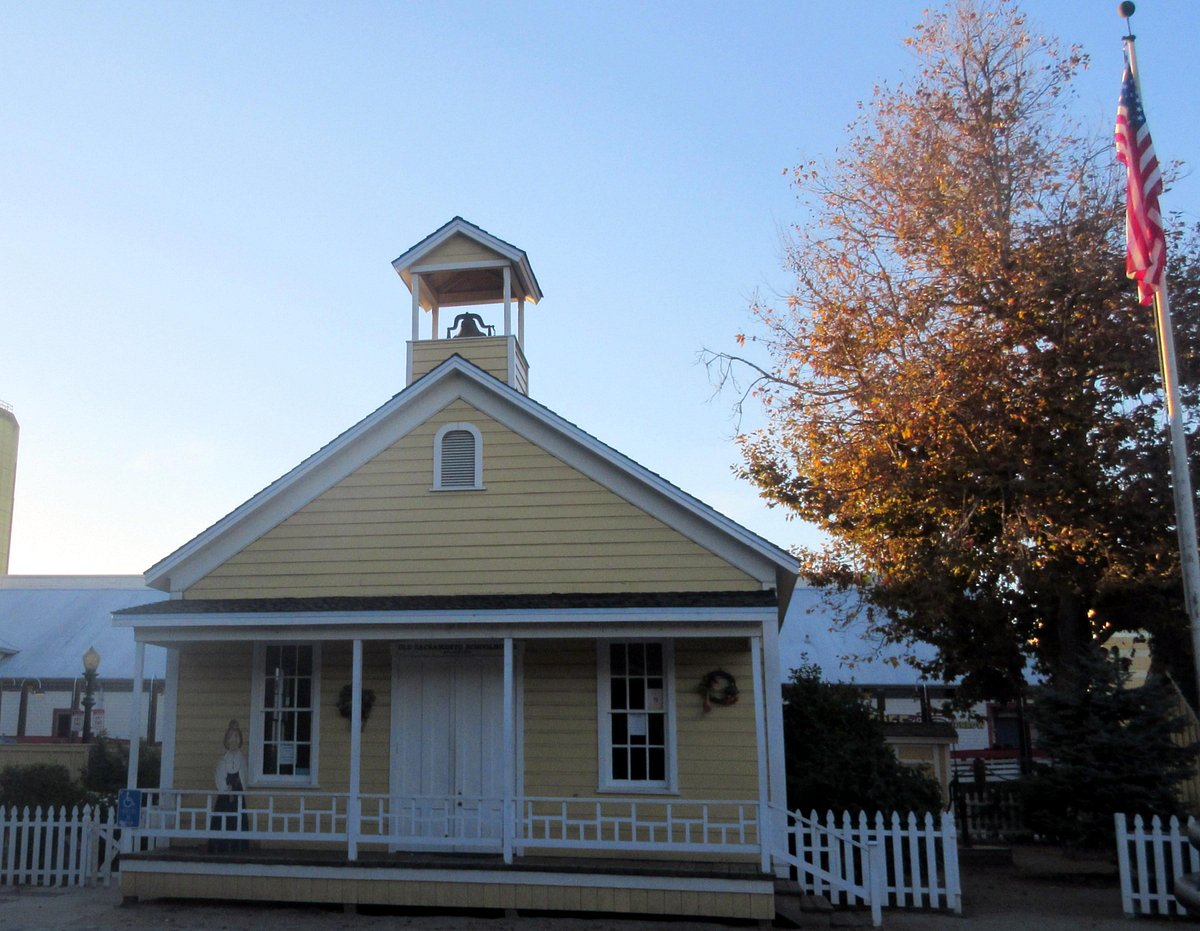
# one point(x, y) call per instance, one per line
point(462, 264)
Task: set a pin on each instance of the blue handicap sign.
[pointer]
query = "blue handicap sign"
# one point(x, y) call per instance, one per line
point(129, 808)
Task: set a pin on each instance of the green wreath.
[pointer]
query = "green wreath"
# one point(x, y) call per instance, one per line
point(718, 688)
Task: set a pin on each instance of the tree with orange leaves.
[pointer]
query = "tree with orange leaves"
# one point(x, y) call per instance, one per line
point(961, 390)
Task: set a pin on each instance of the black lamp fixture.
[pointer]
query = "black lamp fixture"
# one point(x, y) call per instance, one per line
point(91, 662)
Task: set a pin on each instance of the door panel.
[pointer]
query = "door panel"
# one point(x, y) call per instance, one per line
point(447, 746)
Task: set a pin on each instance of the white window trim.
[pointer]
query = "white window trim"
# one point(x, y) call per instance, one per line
point(257, 693)
point(669, 786)
point(437, 458)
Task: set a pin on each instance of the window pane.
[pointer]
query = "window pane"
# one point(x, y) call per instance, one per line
point(620, 763)
point(304, 693)
point(654, 660)
point(620, 729)
point(304, 661)
point(637, 693)
point(637, 659)
point(656, 730)
point(658, 763)
point(618, 695)
point(637, 764)
point(616, 659)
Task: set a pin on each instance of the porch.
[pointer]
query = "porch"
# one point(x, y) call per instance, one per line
point(698, 858)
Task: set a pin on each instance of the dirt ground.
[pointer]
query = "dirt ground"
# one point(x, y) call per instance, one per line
point(1041, 891)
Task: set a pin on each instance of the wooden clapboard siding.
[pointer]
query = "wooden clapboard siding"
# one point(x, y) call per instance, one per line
point(214, 686)
point(459, 248)
point(539, 526)
point(561, 750)
point(716, 750)
point(645, 895)
point(334, 748)
point(717, 753)
point(490, 353)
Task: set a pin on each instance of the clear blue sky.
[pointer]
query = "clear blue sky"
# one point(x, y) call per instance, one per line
point(201, 202)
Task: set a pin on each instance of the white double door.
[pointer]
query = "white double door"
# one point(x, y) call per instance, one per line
point(447, 752)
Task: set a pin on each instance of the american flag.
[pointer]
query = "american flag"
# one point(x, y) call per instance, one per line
point(1145, 245)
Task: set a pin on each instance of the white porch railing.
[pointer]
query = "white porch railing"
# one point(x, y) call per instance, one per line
point(293, 816)
point(639, 824)
point(454, 822)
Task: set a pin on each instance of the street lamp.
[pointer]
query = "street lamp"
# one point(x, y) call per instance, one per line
point(91, 662)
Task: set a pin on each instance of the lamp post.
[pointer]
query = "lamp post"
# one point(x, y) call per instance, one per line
point(91, 662)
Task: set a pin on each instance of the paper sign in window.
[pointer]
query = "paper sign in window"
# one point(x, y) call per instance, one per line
point(654, 699)
point(287, 755)
point(638, 725)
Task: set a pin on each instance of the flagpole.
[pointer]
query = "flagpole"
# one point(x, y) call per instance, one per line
point(1181, 481)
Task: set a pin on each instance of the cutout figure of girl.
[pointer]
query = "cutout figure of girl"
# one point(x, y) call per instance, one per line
point(228, 778)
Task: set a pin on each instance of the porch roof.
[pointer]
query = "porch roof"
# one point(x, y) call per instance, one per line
point(490, 602)
point(455, 617)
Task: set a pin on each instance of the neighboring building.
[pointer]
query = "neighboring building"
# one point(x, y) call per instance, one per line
point(10, 433)
point(466, 626)
point(47, 623)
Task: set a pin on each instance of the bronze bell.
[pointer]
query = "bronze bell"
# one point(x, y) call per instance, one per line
point(469, 325)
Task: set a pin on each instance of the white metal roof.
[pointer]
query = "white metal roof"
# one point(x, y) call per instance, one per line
point(50, 621)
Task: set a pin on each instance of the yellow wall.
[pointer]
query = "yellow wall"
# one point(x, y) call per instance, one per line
point(459, 248)
point(391, 887)
point(717, 758)
point(9, 435)
point(72, 756)
point(716, 749)
point(490, 353)
point(214, 686)
point(539, 527)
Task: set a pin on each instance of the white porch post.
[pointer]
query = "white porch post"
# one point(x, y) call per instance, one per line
point(521, 321)
point(170, 707)
point(436, 327)
point(416, 307)
point(507, 300)
point(135, 733)
point(353, 802)
point(510, 744)
point(776, 760)
point(760, 741)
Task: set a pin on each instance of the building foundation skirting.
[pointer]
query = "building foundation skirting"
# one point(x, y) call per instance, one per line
point(737, 898)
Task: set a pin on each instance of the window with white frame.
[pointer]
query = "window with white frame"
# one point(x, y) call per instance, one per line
point(284, 728)
point(636, 726)
point(458, 458)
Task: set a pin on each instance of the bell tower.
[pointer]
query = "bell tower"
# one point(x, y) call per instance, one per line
point(461, 265)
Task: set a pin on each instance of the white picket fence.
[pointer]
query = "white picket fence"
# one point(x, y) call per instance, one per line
point(62, 848)
point(838, 857)
point(1149, 858)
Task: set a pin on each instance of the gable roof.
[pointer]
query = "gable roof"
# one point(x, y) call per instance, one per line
point(455, 379)
point(525, 285)
point(48, 622)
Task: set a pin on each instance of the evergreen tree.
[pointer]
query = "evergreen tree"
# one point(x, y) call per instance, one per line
point(1112, 748)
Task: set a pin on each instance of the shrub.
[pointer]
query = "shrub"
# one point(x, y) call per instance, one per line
point(40, 784)
point(837, 757)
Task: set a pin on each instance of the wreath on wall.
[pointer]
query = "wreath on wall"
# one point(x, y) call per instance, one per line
point(718, 688)
point(344, 702)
